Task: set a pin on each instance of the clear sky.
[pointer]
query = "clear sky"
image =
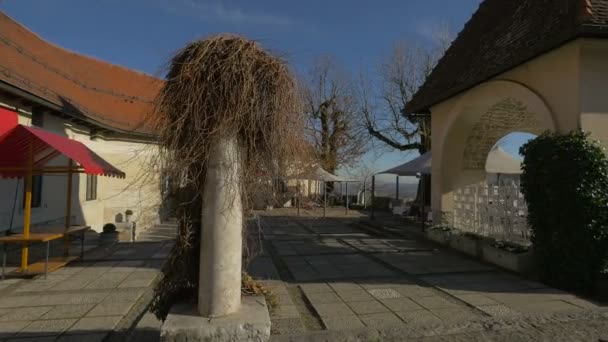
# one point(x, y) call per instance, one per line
point(143, 34)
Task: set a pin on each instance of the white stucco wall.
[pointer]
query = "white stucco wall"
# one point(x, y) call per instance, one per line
point(139, 191)
point(561, 90)
point(594, 89)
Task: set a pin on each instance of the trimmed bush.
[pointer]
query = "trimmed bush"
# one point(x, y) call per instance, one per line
point(565, 183)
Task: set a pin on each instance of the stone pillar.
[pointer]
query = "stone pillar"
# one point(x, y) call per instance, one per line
point(221, 236)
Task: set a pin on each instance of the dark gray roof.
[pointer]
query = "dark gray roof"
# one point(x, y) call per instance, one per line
point(503, 34)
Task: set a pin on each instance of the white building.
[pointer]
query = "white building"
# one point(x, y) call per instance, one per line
point(104, 106)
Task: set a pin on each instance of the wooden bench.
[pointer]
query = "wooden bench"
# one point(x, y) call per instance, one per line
point(46, 236)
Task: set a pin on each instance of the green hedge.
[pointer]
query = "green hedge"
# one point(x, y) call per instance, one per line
point(565, 183)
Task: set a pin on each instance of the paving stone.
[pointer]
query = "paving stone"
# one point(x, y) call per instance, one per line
point(99, 337)
point(581, 303)
point(110, 309)
point(498, 310)
point(75, 283)
point(283, 299)
point(368, 307)
point(333, 309)
point(52, 327)
point(125, 294)
point(19, 301)
point(454, 315)
point(135, 283)
point(315, 288)
point(323, 298)
point(8, 329)
point(418, 317)
point(35, 287)
point(477, 299)
point(380, 320)
point(384, 293)
point(355, 296)
point(435, 303)
point(401, 304)
point(68, 311)
point(33, 339)
point(345, 287)
point(342, 322)
point(85, 298)
point(549, 307)
point(413, 290)
point(108, 280)
point(284, 326)
point(285, 311)
point(88, 325)
point(68, 270)
point(23, 314)
point(379, 284)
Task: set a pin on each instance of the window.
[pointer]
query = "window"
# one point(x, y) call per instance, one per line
point(37, 118)
point(36, 191)
point(91, 187)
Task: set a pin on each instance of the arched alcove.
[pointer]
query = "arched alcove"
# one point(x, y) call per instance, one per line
point(475, 124)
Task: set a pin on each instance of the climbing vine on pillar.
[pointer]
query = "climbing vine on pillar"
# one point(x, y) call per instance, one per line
point(221, 86)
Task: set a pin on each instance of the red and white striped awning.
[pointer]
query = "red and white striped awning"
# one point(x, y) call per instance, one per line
point(15, 148)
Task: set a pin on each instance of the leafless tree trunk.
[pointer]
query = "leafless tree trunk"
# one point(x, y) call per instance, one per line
point(331, 111)
point(382, 107)
point(400, 75)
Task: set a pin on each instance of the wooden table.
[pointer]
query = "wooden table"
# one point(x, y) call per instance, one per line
point(48, 235)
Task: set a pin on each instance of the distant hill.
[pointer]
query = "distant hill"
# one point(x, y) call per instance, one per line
point(386, 189)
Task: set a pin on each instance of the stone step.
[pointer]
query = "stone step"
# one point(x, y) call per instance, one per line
point(166, 225)
point(157, 233)
point(170, 230)
point(154, 238)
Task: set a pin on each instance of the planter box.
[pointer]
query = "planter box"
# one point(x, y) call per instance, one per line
point(517, 262)
point(467, 245)
point(439, 236)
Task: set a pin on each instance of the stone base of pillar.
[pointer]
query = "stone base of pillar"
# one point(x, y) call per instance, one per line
point(250, 323)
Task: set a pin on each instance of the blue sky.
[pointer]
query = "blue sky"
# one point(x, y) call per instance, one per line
point(143, 34)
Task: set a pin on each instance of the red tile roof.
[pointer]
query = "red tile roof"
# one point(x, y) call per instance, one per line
point(503, 34)
point(99, 92)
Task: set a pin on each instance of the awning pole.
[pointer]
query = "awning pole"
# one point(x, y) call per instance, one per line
point(27, 216)
point(422, 200)
point(68, 209)
point(397, 188)
point(373, 195)
point(299, 197)
point(325, 201)
point(346, 197)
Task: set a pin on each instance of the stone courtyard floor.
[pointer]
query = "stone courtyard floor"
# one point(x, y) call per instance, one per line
point(99, 299)
point(333, 280)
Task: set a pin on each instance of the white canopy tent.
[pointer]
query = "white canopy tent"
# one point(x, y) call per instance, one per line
point(317, 173)
point(416, 166)
point(498, 162)
point(502, 162)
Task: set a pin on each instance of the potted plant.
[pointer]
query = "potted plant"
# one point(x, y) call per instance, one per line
point(468, 243)
point(109, 235)
point(511, 256)
point(440, 234)
point(128, 215)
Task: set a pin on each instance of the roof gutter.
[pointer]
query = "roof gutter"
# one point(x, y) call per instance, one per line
point(53, 106)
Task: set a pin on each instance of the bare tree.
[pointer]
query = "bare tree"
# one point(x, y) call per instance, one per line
point(332, 129)
point(400, 75)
